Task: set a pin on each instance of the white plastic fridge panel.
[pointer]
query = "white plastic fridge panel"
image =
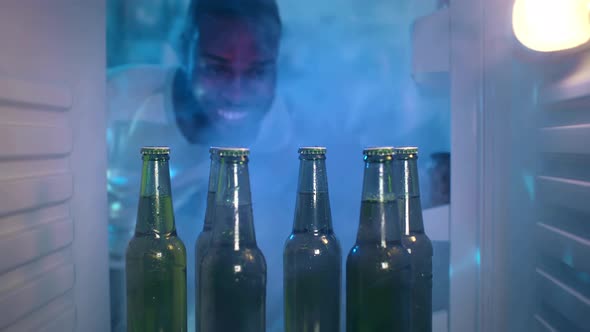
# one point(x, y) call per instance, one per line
point(53, 234)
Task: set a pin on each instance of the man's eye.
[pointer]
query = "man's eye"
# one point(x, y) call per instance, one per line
point(257, 72)
point(215, 70)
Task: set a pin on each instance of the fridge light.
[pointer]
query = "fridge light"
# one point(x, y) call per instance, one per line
point(551, 25)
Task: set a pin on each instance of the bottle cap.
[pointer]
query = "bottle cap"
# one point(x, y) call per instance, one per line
point(306, 150)
point(378, 151)
point(232, 152)
point(405, 152)
point(155, 150)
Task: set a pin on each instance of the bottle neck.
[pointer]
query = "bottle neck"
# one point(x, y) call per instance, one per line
point(312, 211)
point(155, 212)
point(407, 189)
point(210, 208)
point(233, 222)
point(379, 223)
point(378, 179)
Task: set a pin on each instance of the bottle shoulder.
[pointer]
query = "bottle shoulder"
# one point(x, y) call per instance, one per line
point(226, 255)
point(158, 248)
point(365, 254)
point(418, 243)
point(310, 241)
point(203, 239)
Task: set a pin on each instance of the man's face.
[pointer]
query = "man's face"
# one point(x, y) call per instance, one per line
point(234, 75)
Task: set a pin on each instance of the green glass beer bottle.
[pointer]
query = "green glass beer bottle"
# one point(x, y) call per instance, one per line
point(312, 256)
point(378, 272)
point(233, 271)
point(156, 257)
point(204, 238)
point(405, 166)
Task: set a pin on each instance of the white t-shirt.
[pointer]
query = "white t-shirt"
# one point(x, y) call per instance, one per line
point(140, 114)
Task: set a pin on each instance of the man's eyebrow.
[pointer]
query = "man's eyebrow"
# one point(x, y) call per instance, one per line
point(223, 60)
point(216, 58)
point(266, 62)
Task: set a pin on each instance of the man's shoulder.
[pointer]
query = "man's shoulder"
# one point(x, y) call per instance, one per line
point(129, 88)
point(137, 79)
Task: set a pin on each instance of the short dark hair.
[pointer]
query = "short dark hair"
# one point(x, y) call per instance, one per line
point(265, 12)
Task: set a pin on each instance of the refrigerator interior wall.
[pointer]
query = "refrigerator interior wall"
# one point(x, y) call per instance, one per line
point(519, 227)
point(561, 191)
point(53, 235)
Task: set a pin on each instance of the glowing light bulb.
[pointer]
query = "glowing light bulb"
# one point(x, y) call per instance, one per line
point(551, 25)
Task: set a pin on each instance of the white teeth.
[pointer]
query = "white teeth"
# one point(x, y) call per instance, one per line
point(232, 115)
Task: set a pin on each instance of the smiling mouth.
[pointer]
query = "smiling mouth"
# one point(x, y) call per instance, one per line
point(232, 115)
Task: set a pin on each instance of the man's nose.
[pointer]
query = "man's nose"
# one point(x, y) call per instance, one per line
point(235, 89)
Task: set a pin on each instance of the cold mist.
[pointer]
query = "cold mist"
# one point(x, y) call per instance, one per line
point(343, 80)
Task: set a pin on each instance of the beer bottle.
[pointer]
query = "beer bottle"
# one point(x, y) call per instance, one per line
point(378, 275)
point(405, 166)
point(233, 271)
point(204, 238)
point(312, 256)
point(156, 257)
